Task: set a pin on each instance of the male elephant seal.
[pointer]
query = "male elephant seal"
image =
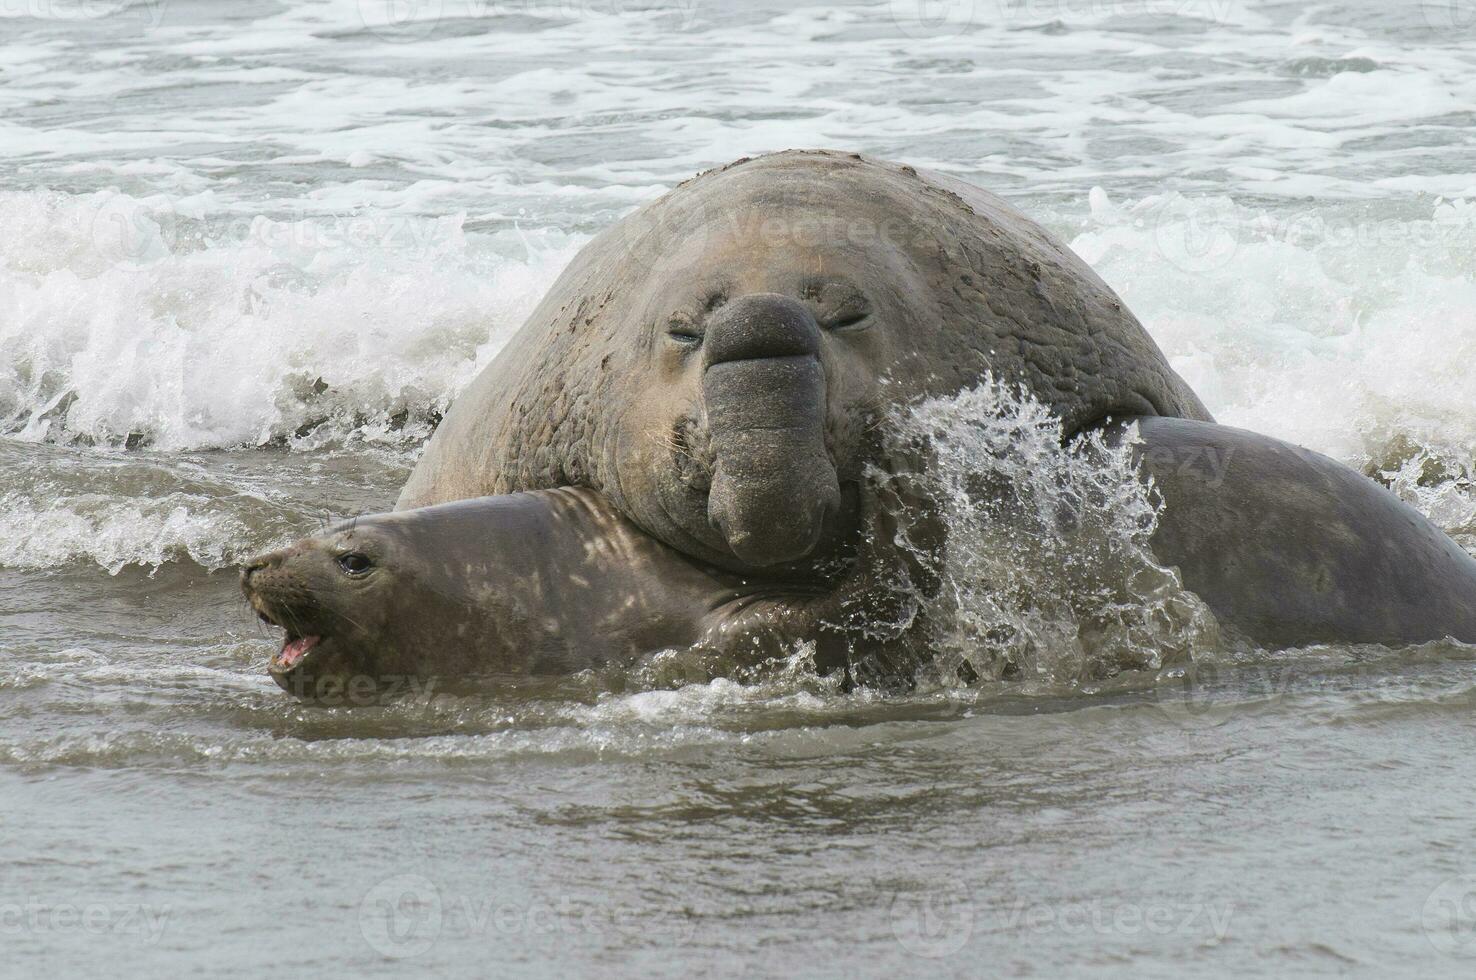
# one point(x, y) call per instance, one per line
point(712, 362)
point(549, 582)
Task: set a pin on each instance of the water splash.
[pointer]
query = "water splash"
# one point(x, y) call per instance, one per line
point(1438, 481)
point(1047, 575)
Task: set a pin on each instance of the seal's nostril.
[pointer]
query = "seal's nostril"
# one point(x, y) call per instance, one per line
point(251, 567)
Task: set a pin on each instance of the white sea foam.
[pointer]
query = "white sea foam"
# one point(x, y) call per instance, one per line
point(1351, 331)
point(125, 317)
point(117, 533)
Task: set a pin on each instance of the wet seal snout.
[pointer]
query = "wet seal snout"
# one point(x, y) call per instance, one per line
point(293, 590)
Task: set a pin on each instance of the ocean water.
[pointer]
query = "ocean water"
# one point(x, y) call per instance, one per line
point(250, 252)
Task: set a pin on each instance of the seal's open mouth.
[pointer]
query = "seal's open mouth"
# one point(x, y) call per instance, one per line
point(294, 649)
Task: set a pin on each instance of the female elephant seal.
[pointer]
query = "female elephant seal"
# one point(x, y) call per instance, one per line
point(530, 583)
point(712, 362)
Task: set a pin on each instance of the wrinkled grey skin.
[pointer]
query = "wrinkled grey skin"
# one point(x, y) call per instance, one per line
point(521, 584)
point(1288, 547)
point(712, 363)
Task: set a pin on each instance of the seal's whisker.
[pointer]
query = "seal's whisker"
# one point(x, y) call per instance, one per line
point(256, 621)
point(672, 444)
point(352, 621)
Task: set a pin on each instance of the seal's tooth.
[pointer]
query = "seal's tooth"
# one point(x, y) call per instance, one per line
point(295, 648)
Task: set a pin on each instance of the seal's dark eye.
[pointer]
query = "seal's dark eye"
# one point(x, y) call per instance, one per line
point(837, 304)
point(683, 330)
point(355, 563)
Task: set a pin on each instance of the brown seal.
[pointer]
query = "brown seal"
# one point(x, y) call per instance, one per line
point(531, 583)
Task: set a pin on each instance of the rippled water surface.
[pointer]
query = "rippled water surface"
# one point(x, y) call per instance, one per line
point(252, 251)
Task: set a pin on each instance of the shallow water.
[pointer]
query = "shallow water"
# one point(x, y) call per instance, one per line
point(251, 253)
